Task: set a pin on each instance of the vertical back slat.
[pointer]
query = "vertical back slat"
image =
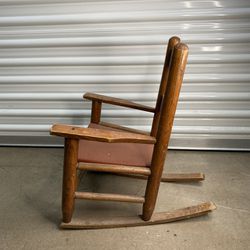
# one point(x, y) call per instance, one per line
point(171, 44)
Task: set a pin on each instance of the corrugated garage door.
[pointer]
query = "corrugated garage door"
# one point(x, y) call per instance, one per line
point(53, 51)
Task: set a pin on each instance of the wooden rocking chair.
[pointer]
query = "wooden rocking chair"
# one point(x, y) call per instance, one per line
point(107, 147)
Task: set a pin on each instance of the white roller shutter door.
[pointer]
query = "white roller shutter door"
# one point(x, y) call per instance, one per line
point(51, 52)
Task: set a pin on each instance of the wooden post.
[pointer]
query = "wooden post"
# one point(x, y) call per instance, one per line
point(171, 44)
point(69, 178)
point(176, 73)
point(96, 111)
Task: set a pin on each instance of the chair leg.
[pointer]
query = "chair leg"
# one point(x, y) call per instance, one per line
point(150, 200)
point(69, 178)
point(152, 188)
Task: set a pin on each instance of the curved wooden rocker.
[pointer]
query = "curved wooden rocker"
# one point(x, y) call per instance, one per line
point(106, 147)
point(157, 218)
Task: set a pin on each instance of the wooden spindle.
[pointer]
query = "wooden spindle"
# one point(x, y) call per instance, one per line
point(176, 73)
point(109, 197)
point(96, 111)
point(171, 44)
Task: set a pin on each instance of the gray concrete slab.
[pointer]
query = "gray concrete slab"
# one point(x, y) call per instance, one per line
point(30, 191)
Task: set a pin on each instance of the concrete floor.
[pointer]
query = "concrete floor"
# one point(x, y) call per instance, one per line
point(30, 190)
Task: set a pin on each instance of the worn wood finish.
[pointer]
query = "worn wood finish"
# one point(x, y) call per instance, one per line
point(171, 177)
point(108, 197)
point(122, 128)
point(173, 41)
point(96, 111)
point(114, 168)
point(69, 178)
point(118, 102)
point(102, 135)
point(164, 112)
point(169, 104)
point(133, 221)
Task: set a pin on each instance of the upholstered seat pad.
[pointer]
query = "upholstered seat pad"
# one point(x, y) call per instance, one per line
point(130, 154)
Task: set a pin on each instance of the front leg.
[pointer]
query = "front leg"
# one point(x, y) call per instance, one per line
point(69, 178)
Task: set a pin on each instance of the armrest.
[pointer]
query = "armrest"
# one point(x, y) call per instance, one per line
point(118, 102)
point(99, 134)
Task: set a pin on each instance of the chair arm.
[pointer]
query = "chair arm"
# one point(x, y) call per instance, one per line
point(118, 102)
point(99, 134)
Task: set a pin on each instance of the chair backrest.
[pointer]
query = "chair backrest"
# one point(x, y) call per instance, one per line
point(169, 101)
point(172, 91)
point(162, 89)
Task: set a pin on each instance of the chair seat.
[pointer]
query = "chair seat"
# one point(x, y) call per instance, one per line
point(129, 154)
